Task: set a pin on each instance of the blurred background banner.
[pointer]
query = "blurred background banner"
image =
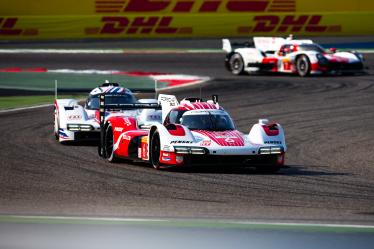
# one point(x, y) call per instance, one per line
point(85, 19)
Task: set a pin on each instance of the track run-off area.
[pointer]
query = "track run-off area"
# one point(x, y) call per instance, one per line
point(329, 171)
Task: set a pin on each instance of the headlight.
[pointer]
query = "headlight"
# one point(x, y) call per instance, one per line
point(80, 127)
point(189, 150)
point(270, 150)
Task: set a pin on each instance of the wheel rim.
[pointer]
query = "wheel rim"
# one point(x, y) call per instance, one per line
point(236, 65)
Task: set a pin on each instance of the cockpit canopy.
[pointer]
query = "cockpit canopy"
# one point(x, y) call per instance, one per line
point(93, 103)
point(212, 120)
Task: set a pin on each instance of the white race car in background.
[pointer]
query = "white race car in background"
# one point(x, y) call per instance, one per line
point(277, 54)
point(74, 122)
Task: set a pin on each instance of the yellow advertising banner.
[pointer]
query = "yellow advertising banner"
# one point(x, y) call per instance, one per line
point(90, 7)
point(46, 19)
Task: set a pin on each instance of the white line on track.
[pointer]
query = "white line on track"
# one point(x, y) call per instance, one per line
point(192, 221)
point(25, 108)
point(122, 51)
point(105, 51)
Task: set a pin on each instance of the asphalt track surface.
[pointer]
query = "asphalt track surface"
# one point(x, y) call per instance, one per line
point(328, 178)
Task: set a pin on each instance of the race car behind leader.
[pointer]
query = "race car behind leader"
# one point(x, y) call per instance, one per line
point(288, 55)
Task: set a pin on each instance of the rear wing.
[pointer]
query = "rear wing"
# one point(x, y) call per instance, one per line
point(103, 107)
point(228, 47)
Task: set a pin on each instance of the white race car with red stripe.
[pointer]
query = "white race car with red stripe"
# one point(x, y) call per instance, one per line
point(74, 122)
point(276, 54)
point(194, 132)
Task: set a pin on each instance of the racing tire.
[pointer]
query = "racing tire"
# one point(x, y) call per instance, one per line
point(155, 149)
point(303, 66)
point(56, 126)
point(236, 64)
point(108, 145)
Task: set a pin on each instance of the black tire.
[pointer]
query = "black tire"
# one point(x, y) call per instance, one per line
point(303, 66)
point(155, 148)
point(236, 64)
point(57, 136)
point(108, 145)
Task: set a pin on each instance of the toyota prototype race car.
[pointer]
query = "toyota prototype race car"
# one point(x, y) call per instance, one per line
point(74, 122)
point(276, 54)
point(192, 132)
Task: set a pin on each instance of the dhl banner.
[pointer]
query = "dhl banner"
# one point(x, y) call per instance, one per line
point(72, 19)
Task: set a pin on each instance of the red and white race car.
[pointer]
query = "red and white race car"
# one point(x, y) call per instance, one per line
point(192, 132)
point(276, 54)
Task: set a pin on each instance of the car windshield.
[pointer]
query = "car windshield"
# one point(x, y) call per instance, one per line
point(209, 121)
point(92, 102)
point(311, 47)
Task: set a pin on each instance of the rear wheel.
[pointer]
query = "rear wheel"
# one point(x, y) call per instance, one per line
point(236, 64)
point(109, 145)
point(303, 66)
point(155, 148)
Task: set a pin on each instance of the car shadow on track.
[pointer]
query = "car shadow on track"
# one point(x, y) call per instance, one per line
point(289, 170)
point(81, 143)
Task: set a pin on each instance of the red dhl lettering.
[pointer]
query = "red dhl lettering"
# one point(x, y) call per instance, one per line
point(8, 28)
point(138, 25)
point(289, 23)
point(187, 6)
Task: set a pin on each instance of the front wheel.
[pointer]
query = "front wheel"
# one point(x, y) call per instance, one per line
point(155, 147)
point(109, 145)
point(236, 64)
point(303, 66)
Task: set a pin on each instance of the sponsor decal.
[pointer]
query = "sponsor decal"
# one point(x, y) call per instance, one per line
point(8, 28)
point(74, 117)
point(118, 25)
point(181, 142)
point(126, 137)
point(206, 143)
point(273, 142)
point(289, 23)
point(127, 121)
point(119, 129)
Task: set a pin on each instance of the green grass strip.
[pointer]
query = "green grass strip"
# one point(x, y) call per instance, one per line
point(24, 101)
point(188, 223)
point(46, 81)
